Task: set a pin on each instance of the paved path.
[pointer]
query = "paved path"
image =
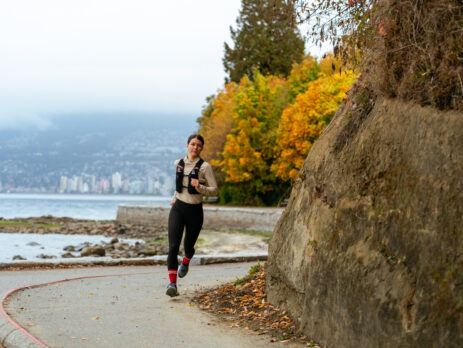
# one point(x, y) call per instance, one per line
point(118, 307)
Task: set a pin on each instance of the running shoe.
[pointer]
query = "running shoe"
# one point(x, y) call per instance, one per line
point(172, 290)
point(183, 270)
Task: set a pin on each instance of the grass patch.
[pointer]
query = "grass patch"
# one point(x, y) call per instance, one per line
point(200, 241)
point(157, 241)
point(47, 225)
point(240, 281)
point(266, 235)
point(27, 224)
point(254, 269)
point(14, 223)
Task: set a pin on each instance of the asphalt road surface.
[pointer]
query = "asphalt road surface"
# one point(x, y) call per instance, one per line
point(121, 307)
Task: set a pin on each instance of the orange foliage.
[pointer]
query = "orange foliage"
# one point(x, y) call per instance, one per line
point(259, 132)
point(218, 125)
point(302, 122)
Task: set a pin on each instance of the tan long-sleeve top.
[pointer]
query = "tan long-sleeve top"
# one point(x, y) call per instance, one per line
point(207, 182)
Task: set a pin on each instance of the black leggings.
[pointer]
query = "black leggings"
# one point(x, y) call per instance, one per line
point(183, 214)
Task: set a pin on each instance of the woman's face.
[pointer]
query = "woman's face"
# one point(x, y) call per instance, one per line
point(195, 146)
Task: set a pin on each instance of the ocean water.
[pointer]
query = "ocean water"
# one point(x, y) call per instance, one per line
point(93, 207)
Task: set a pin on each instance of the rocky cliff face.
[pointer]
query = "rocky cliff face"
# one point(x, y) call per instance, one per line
point(368, 252)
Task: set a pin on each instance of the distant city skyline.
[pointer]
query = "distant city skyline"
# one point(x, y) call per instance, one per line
point(133, 154)
point(163, 185)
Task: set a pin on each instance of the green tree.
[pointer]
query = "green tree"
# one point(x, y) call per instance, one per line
point(266, 39)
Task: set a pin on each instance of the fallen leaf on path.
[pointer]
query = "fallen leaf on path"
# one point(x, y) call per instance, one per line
point(246, 306)
point(96, 318)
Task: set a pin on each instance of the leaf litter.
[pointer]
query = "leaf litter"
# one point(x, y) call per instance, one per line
point(244, 304)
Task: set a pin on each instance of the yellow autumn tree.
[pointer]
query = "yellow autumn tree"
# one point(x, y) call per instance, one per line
point(331, 64)
point(248, 151)
point(302, 74)
point(302, 122)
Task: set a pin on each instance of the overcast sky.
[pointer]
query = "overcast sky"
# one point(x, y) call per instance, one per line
point(69, 56)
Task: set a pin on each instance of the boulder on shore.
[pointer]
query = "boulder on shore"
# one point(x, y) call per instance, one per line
point(93, 251)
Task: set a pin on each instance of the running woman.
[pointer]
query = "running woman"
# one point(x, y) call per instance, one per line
point(194, 179)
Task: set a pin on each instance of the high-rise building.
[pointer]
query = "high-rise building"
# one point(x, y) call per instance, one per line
point(93, 186)
point(149, 186)
point(116, 182)
point(85, 188)
point(126, 186)
point(105, 185)
point(63, 183)
point(137, 187)
point(71, 185)
point(79, 183)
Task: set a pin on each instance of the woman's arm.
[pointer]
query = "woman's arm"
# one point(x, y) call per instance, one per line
point(175, 192)
point(211, 189)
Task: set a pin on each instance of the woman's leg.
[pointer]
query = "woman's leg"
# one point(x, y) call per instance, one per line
point(194, 223)
point(176, 225)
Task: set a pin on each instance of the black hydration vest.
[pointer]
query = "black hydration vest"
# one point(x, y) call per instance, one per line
point(194, 174)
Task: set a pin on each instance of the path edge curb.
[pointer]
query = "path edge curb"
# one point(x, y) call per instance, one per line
point(147, 261)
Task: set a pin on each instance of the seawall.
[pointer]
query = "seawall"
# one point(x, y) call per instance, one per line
point(215, 218)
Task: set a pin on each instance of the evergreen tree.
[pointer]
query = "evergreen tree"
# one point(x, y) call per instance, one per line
point(266, 39)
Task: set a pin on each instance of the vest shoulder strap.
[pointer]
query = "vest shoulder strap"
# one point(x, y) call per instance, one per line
point(199, 163)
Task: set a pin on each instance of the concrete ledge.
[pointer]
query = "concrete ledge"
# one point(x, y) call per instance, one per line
point(215, 218)
point(155, 260)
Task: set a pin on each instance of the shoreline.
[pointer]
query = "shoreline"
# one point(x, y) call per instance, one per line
point(152, 241)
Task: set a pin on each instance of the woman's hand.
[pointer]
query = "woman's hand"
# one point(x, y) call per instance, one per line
point(195, 183)
point(172, 203)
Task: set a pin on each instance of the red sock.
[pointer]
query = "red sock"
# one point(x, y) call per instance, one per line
point(186, 260)
point(172, 275)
